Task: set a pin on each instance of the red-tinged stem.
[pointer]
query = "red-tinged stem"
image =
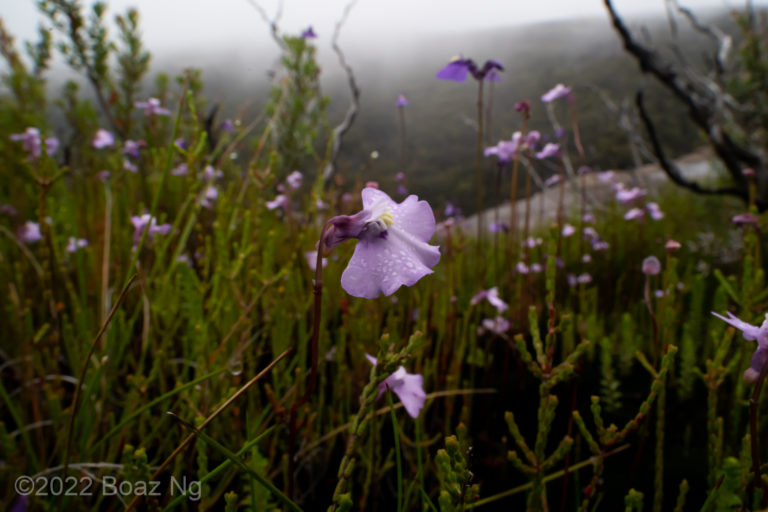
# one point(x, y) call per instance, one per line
point(317, 290)
point(479, 162)
point(753, 404)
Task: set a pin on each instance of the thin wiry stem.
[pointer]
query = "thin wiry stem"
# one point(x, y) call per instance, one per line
point(81, 378)
point(354, 102)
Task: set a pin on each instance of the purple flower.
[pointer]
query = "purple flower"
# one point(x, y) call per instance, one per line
point(634, 213)
point(492, 296)
point(152, 107)
point(30, 141)
point(498, 325)
point(132, 147)
point(401, 190)
point(392, 250)
point(311, 257)
point(672, 245)
point(401, 101)
point(654, 211)
point(523, 106)
point(308, 33)
point(51, 145)
point(751, 333)
point(451, 210)
point(180, 143)
point(497, 227)
point(531, 242)
point(505, 150)
point(73, 244)
point(140, 223)
point(280, 201)
point(745, 218)
point(209, 173)
point(553, 180)
point(458, 68)
point(30, 232)
point(129, 166)
point(625, 196)
point(606, 176)
point(548, 150)
point(227, 126)
point(568, 230)
point(522, 268)
point(408, 387)
point(558, 91)
point(294, 179)
point(210, 196)
point(103, 139)
point(399, 177)
point(651, 266)
point(181, 170)
point(536, 268)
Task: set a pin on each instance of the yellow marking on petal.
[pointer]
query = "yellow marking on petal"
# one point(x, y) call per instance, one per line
point(387, 218)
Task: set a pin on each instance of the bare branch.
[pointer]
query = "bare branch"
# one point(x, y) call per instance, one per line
point(670, 168)
point(724, 41)
point(354, 105)
point(706, 106)
point(273, 27)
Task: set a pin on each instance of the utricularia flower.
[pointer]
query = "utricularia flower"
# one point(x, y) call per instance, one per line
point(140, 223)
point(752, 333)
point(392, 249)
point(32, 144)
point(558, 91)
point(152, 107)
point(458, 68)
point(308, 33)
point(103, 139)
point(30, 232)
point(651, 266)
point(401, 101)
point(492, 296)
point(73, 244)
point(408, 387)
point(294, 179)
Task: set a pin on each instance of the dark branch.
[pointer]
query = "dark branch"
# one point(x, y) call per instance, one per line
point(706, 104)
point(354, 105)
point(670, 168)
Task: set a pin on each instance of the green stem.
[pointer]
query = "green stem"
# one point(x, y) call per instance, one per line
point(398, 458)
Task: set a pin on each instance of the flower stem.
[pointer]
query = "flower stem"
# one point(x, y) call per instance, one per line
point(754, 401)
point(317, 290)
point(398, 459)
point(479, 163)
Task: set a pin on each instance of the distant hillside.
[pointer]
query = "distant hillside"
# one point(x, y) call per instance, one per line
point(441, 115)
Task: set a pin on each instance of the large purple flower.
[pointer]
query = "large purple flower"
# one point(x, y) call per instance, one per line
point(408, 387)
point(751, 333)
point(558, 91)
point(152, 107)
point(458, 68)
point(392, 250)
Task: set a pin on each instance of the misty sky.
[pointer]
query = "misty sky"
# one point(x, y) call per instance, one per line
point(172, 24)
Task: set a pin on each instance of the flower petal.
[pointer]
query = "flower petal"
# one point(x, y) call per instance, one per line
point(415, 217)
point(411, 393)
point(748, 331)
point(384, 265)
